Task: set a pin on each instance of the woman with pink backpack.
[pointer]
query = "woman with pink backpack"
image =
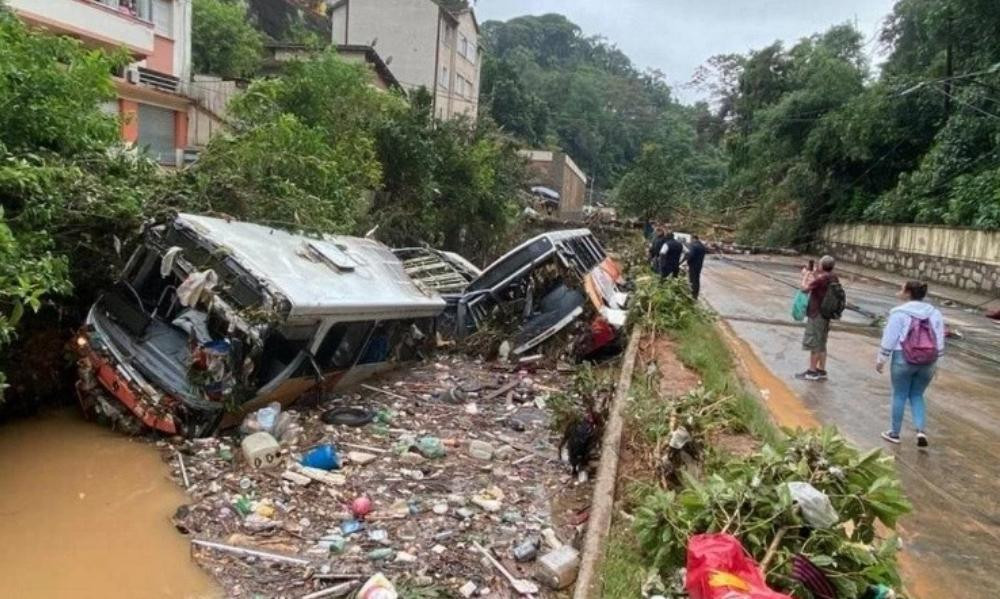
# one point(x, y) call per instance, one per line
point(912, 342)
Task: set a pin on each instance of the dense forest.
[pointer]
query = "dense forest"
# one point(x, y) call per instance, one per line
point(792, 136)
point(814, 133)
point(546, 82)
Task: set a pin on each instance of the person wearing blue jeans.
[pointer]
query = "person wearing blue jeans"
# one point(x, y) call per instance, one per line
point(909, 381)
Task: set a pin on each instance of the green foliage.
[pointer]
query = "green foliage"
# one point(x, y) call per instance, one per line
point(223, 42)
point(813, 139)
point(666, 305)
point(67, 190)
point(748, 498)
point(301, 153)
point(546, 82)
point(448, 184)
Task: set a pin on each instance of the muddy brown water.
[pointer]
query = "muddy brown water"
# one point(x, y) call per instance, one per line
point(84, 512)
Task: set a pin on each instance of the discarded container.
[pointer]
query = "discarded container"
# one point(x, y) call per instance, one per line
point(323, 457)
point(261, 450)
point(559, 567)
point(431, 447)
point(527, 551)
point(468, 589)
point(262, 420)
point(481, 450)
point(382, 553)
point(378, 587)
point(334, 543)
point(350, 526)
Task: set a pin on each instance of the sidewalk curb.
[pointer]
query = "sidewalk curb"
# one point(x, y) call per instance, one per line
point(603, 498)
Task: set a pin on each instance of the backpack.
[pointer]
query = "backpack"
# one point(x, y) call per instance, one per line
point(920, 343)
point(834, 302)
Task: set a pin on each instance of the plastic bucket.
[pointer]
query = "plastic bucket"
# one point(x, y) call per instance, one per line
point(323, 457)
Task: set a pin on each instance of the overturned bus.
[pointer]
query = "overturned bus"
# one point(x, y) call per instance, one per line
point(213, 318)
point(547, 283)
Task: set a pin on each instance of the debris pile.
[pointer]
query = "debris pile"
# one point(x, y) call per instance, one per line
point(445, 476)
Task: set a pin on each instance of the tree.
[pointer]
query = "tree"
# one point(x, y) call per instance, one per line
point(447, 184)
point(223, 42)
point(68, 189)
point(301, 153)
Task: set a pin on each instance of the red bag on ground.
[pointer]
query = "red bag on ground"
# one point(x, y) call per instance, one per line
point(719, 568)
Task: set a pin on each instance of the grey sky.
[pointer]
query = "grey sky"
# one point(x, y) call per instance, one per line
point(676, 36)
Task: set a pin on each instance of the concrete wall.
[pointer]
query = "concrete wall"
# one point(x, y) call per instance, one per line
point(557, 171)
point(207, 116)
point(964, 258)
point(404, 30)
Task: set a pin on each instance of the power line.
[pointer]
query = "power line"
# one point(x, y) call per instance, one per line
point(964, 103)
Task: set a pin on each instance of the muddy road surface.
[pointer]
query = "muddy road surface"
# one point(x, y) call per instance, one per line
point(951, 539)
point(86, 513)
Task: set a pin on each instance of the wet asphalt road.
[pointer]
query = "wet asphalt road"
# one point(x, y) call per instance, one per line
point(952, 540)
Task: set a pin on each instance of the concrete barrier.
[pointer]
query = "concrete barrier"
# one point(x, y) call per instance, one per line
point(964, 258)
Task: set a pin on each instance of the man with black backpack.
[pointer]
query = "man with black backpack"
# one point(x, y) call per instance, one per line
point(827, 302)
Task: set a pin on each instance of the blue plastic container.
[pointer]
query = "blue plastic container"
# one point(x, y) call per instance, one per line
point(323, 457)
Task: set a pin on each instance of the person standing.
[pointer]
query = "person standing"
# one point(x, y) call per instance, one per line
point(654, 248)
point(818, 283)
point(670, 257)
point(695, 259)
point(912, 341)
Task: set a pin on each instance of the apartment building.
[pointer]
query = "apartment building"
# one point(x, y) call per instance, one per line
point(157, 35)
point(424, 43)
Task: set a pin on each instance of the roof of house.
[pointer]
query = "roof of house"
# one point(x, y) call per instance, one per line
point(372, 56)
point(349, 277)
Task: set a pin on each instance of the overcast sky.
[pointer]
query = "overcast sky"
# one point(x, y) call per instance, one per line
point(676, 36)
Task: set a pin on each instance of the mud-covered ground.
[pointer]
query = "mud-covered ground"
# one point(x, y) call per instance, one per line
point(428, 512)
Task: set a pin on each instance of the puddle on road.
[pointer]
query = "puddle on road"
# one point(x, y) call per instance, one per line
point(84, 512)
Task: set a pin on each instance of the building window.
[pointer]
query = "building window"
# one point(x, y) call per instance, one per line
point(156, 133)
point(163, 17)
point(463, 46)
point(447, 34)
point(444, 77)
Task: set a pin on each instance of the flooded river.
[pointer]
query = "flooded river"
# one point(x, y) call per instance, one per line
point(84, 512)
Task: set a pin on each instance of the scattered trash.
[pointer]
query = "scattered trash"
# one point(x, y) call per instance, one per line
point(361, 458)
point(558, 568)
point(527, 551)
point(815, 505)
point(322, 457)
point(361, 506)
point(261, 450)
point(481, 450)
point(431, 448)
point(717, 565)
point(389, 507)
point(378, 587)
point(348, 416)
point(468, 589)
point(524, 587)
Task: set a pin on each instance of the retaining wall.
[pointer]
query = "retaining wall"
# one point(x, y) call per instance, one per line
point(964, 258)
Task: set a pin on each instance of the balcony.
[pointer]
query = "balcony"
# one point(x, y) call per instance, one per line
point(109, 23)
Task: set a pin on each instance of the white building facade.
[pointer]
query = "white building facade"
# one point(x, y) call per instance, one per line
point(424, 45)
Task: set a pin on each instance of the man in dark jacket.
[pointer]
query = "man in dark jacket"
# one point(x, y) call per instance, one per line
point(654, 248)
point(695, 259)
point(670, 257)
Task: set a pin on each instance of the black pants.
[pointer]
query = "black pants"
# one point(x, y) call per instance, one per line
point(694, 276)
point(670, 270)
